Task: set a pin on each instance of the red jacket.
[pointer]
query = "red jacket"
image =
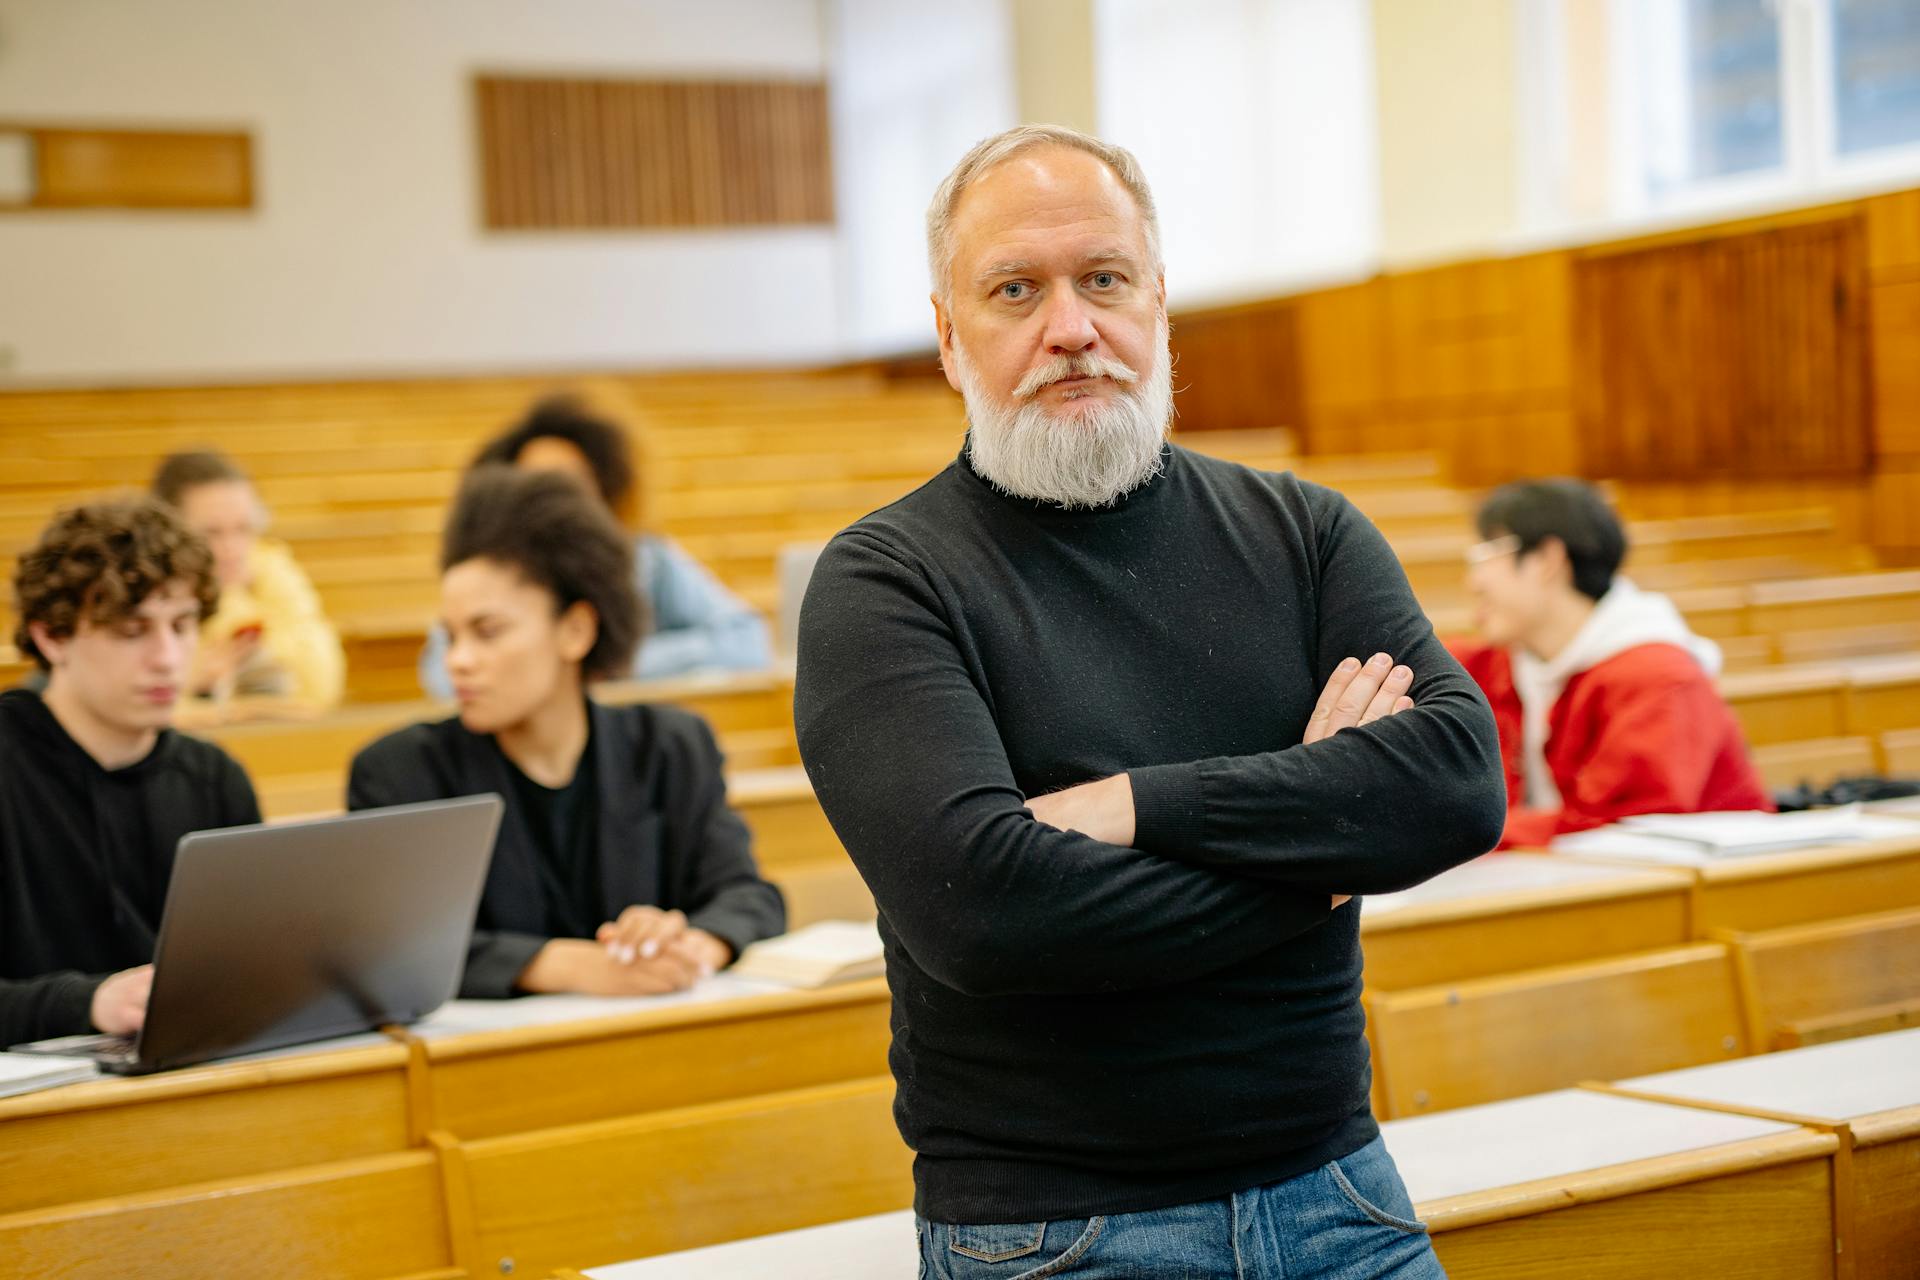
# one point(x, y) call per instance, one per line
point(1644, 731)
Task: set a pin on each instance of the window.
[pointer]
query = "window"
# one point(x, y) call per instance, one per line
point(1712, 103)
point(1876, 75)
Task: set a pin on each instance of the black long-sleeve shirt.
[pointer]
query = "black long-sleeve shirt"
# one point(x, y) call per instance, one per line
point(662, 833)
point(1085, 1028)
point(85, 857)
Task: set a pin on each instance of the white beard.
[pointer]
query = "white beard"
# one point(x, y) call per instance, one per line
point(1093, 458)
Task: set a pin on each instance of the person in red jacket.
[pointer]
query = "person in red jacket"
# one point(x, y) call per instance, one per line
point(1605, 699)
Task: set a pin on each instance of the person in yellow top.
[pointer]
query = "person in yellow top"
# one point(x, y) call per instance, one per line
point(269, 642)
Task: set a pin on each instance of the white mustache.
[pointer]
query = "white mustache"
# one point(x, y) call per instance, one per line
point(1082, 365)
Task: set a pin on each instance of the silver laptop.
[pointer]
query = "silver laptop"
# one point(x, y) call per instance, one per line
point(286, 933)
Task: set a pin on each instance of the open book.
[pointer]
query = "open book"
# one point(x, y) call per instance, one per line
point(816, 956)
point(27, 1072)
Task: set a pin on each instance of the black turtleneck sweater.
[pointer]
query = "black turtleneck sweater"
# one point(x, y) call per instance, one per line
point(85, 856)
point(1084, 1028)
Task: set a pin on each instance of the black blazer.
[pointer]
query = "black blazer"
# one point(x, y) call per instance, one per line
point(667, 835)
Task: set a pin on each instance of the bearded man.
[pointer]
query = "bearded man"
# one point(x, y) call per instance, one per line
point(1112, 730)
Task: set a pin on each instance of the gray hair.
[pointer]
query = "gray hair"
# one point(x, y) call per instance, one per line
point(1002, 147)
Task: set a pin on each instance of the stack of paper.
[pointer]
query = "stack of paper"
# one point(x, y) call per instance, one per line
point(26, 1072)
point(1690, 837)
point(828, 952)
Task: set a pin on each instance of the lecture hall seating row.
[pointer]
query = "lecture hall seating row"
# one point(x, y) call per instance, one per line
point(1802, 1164)
point(472, 1141)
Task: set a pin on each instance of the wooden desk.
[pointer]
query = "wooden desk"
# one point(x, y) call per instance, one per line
point(1868, 1088)
point(1788, 704)
point(121, 1137)
point(295, 1163)
point(1575, 1183)
point(495, 1068)
point(1767, 890)
point(1505, 912)
point(206, 1157)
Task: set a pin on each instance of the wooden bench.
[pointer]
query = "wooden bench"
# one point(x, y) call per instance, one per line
point(374, 1218)
point(1456, 1044)
point(1851, 601)
point(378, 1157)
point(671, 1180)
point(1900, 752)
point(1816, 763)
point(1813, 982)
point(113, 1138)
point(1567, 1184)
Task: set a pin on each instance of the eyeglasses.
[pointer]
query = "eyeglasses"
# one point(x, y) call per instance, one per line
point(1491, 549)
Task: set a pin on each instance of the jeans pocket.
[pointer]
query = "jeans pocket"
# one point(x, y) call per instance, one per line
point(998, 1242)
point(1013, 1250)
point(1384, 1180)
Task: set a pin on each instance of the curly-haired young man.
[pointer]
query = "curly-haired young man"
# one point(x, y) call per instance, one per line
point(95, 788)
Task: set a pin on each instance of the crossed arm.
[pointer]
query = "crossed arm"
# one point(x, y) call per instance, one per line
point(1152, 877)
point(1356, 694)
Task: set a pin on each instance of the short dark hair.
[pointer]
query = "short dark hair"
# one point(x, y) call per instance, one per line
point(558, 537)
point(1571, 510)
point(179, 472)
point(608, 451)
point(98, 562)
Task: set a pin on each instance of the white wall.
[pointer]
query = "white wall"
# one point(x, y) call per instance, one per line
point(365, 252)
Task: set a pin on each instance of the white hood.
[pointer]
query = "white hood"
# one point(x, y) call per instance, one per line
point(1625, 618)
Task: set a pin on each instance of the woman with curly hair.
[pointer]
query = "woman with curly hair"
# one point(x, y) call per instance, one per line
point(620, 867)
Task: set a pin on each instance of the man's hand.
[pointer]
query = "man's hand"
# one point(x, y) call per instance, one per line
point(1358, 695)
point(577, 965)
point(1102, 810)
point(120, 1003)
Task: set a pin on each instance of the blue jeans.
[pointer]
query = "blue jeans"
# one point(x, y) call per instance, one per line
point(1350, 1219)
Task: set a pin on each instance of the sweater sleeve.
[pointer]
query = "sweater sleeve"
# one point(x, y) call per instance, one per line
point(1649, 756)
point(725, 893)
point(383, 774)
point(1373, 809)
point(907, 761)
point(53, 1004)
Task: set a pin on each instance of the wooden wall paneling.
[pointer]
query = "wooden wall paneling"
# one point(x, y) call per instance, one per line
point(580, 154)
point(1237, 367)
point(84, 168)
point(1896, 366)
point(1739, 356)
point(1893, 234)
